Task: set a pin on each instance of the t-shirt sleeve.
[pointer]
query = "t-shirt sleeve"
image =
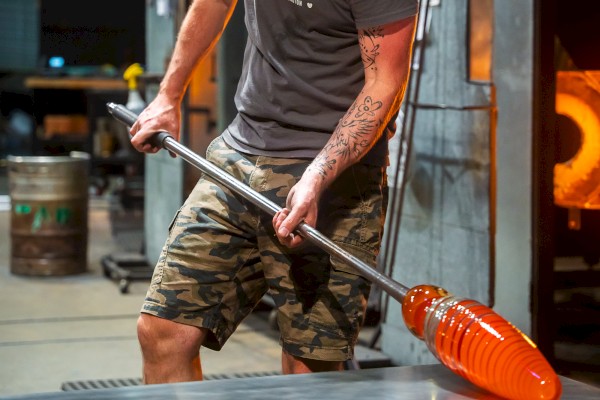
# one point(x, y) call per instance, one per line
point(369, 13)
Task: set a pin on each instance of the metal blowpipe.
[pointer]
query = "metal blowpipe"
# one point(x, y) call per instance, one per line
point(468, 337)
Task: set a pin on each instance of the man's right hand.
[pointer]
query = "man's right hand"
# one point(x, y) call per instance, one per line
point(161, 115)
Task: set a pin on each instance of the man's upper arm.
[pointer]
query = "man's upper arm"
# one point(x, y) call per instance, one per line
point(386, 49)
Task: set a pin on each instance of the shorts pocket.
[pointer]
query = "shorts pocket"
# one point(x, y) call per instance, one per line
point(367, 257)
point(211, 146)
point(172, 223)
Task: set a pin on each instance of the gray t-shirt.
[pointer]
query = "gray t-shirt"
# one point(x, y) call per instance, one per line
point(302, 71)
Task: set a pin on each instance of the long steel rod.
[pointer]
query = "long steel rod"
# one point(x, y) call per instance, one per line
point(166, 141)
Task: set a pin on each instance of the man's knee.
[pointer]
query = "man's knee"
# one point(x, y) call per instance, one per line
point(146, 334)
point(160, 336)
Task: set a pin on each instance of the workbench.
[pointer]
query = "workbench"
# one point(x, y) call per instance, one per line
point(406, 383)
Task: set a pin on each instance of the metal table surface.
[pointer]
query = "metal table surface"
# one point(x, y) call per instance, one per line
point(431, 382)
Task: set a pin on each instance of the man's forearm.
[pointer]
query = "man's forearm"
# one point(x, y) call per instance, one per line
point(385, 53)
point(201, 28)
point(357, 131)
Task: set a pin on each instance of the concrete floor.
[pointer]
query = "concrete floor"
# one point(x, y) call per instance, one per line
point(55, 330)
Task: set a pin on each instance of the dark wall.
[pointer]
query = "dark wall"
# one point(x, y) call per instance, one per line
point(93, 32)
point(577, 28)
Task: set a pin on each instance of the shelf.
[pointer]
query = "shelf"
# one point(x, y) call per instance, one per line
point(72, 83)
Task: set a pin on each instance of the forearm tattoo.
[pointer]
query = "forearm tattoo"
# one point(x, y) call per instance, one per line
point(369, 46)
point(351, 138)
point(354, 133)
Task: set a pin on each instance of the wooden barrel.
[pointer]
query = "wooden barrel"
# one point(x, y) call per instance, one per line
point(49, 214)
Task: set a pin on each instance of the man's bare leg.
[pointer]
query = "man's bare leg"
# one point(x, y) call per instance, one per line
point(295, 365)
point(170, 351)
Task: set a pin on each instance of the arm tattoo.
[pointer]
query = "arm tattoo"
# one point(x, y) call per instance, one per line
point(369, 45)
point(351, 135)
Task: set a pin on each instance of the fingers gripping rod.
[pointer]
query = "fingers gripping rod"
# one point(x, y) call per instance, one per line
point(167, 142)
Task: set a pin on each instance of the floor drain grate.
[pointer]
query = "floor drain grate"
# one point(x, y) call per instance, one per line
point(240, 375)
point(100, 384)
point(118, 383)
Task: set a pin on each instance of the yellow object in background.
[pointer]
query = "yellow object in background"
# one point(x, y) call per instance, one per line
point(135, 102)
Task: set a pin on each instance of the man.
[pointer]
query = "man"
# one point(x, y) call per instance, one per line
point(321, 86)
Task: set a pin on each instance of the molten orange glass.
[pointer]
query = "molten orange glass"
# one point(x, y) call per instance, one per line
point(479, 345)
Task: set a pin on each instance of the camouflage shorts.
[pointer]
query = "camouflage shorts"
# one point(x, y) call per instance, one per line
point(222, 256)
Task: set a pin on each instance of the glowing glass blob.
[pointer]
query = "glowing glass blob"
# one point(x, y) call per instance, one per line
point(479, 345)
